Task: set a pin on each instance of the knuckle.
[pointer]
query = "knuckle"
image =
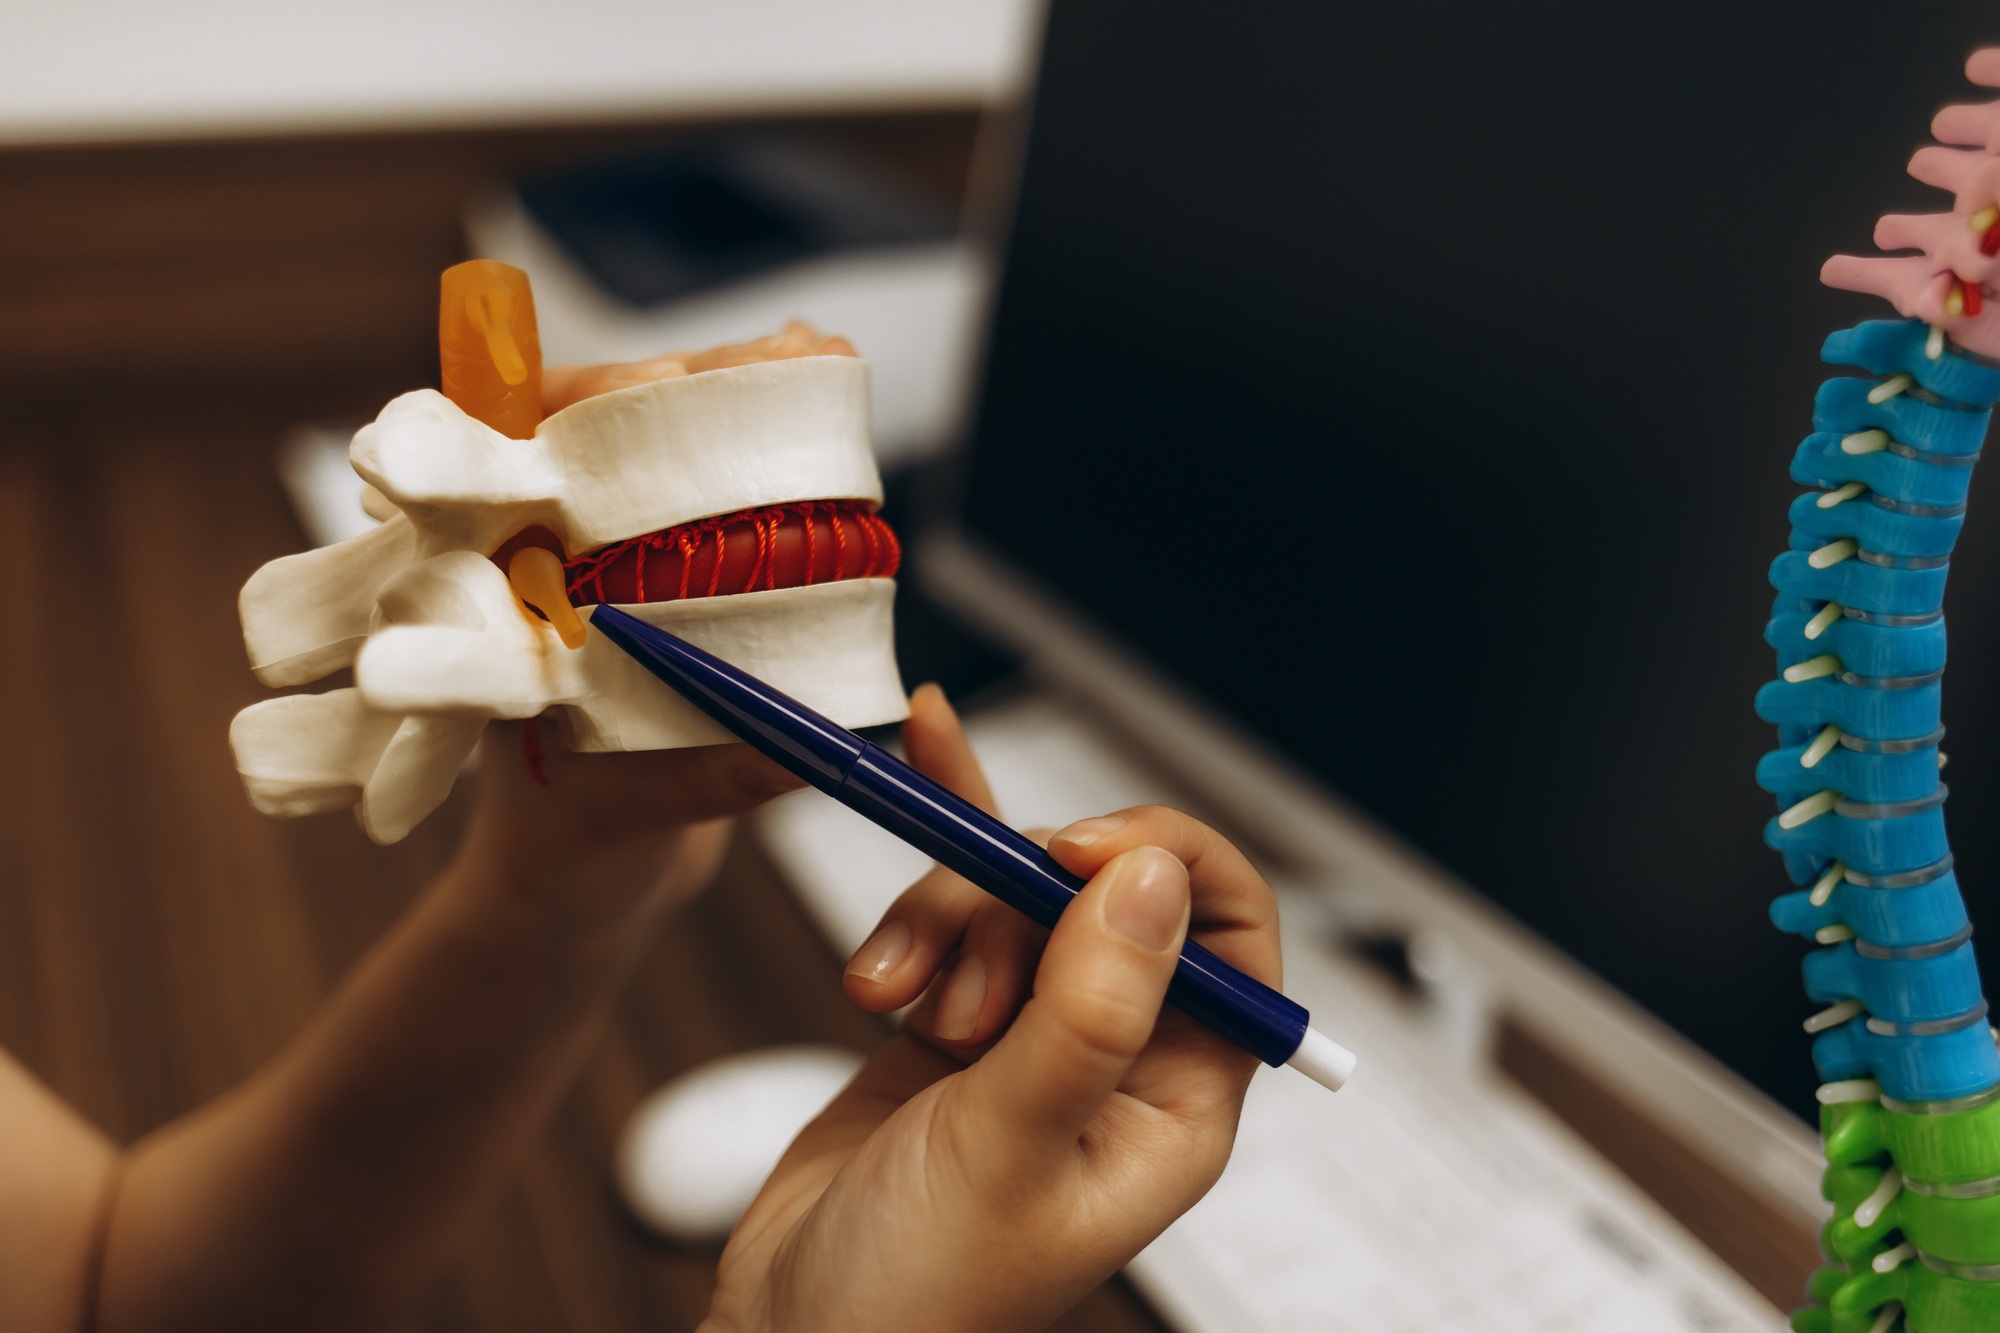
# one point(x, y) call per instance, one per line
point(1174, 830)
point(1151, 814)
point(940, 896)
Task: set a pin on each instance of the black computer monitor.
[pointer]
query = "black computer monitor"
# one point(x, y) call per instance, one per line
point(1417, 382)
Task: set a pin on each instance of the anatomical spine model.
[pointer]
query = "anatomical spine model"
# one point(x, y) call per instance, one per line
point(727, 495)
point(1910, 1106)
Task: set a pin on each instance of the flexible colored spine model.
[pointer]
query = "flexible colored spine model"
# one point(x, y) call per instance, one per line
point(1910, 1106)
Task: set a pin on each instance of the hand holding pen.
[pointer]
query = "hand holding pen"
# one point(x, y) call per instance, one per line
point(955, 832)
point(982, 952)
point(938, 1194)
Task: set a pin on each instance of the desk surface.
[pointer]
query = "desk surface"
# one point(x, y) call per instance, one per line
point(158, 940)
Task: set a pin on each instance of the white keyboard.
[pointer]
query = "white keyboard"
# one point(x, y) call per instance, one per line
point(1420, 1199)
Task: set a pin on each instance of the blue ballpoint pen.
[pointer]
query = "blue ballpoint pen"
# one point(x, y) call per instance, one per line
point(890, 794)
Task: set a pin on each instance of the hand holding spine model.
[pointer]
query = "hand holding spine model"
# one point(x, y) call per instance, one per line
point(1910, 1106)
point(728, 495)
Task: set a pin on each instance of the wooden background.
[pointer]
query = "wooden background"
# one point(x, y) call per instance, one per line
point(166, 313)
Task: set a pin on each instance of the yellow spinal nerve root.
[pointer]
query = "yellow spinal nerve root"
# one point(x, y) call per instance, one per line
point(537, 576)
point(489, 353)
point(490, 364)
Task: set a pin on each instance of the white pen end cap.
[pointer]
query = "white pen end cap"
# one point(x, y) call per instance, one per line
point(1323, 1060)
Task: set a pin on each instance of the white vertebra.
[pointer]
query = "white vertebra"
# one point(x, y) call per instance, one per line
point(440, 643)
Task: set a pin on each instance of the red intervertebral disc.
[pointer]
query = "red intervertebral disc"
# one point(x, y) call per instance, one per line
point(752, 550)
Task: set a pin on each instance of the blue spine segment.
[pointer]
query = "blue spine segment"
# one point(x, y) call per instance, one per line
point(1858, 625)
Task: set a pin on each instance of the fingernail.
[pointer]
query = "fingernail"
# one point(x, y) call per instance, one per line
point(1146, 899)
point(1086, 831)
point(964, 996)
point(876, 959)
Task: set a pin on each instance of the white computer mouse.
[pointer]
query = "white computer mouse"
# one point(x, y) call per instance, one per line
point(695, 1153)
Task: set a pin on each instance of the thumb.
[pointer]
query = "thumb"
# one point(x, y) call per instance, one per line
point(1097, 995)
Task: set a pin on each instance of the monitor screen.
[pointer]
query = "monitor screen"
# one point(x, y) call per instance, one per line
point(1418, 383)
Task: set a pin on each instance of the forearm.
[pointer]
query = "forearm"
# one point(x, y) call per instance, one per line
point(53, 1171)
point(330, 1186)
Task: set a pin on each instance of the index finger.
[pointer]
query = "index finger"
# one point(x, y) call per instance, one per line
point(937, 746)
point(1235, 913)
